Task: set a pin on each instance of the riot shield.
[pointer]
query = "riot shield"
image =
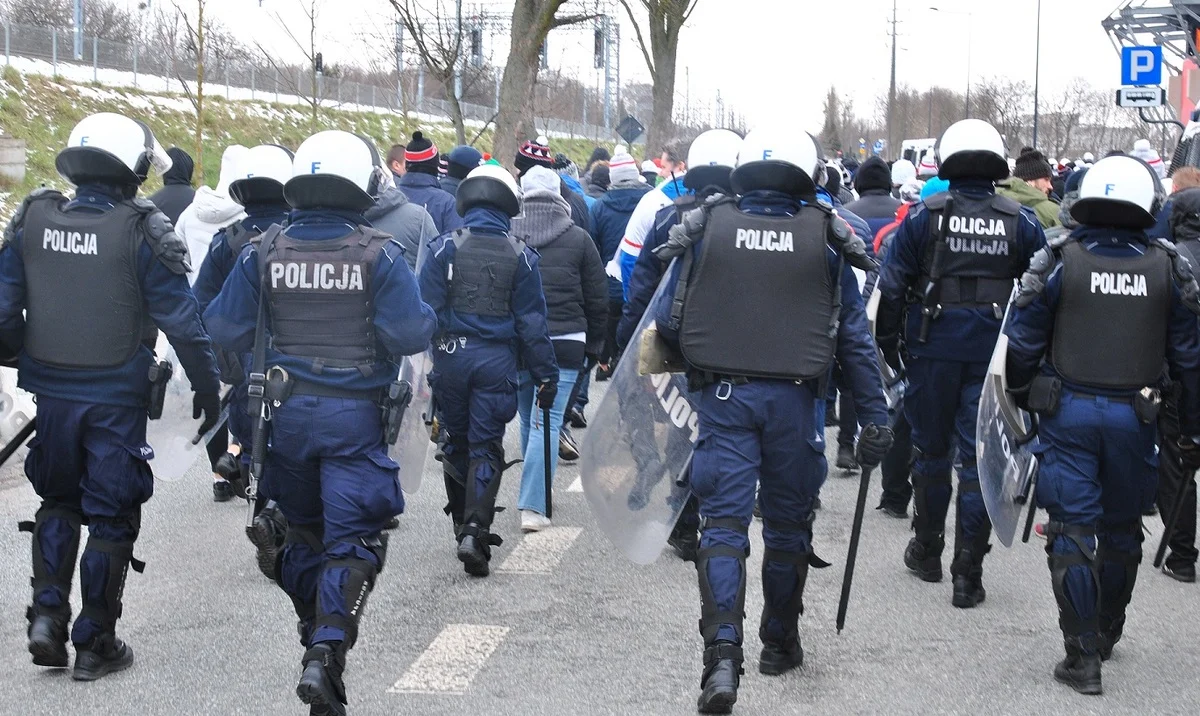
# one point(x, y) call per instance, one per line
point(636, 449)
point(1005, 434)
point(17, 407)
point(894, 384)
point(412, 447)
point(173, 436)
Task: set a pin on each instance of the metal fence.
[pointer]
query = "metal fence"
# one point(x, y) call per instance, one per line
point(96, 59)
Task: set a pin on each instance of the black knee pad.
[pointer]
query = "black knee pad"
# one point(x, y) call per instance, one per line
point(65, 574)
point(481, 509)
point(711, 617)
point(1069, 621)
point(314, 537)
point(360, 580)
point(120, 559)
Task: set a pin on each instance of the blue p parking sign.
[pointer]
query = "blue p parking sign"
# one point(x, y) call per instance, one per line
point(1141, 66)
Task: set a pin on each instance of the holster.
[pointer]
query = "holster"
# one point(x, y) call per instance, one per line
point(393, 406)
point(160, 375)
point(1146, 404)
point(1045, 394)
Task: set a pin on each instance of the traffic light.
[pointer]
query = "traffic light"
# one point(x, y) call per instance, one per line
point(598, 45)
point(319, 64)
point(477, 47)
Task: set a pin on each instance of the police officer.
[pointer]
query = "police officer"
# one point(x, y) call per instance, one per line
point(711, 156)
point(259, 189)
point(341, 304)
point(487, 292)
point(789, 258)
point(80, 282)
point(1092, 380)
point(948, 275)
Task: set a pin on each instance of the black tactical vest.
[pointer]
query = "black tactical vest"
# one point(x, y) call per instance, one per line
point(83, 297)
point(1110, 328)
point(237, 236)
point(320, 297)
point(981, 257)
point(760, 302)
point(482, 272)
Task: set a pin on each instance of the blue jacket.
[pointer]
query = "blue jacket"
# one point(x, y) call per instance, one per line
point(855, 350)
point(168, 301)
point(219, 261)
point(610, 217)
point(403, 323)
point(576, 187)
point(424, 190)
point(961, 334)
point(1030, 329)
point(1162, 223)
point(526, 327)
point(647, 274)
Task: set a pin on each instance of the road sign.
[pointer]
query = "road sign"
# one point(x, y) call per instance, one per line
point(1141, 97)
point(878, 148)
point(1141, 66)
point(630, 129)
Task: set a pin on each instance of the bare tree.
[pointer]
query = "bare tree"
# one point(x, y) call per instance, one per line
point(436, 29)
point(194, 43)
point(102, 18)
point(41, 13)
point(307, 44)
point(514, 122)
point(664, 20)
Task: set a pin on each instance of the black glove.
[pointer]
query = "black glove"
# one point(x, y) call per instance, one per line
point(546, 394)
point(1189, 453)
point(873, 444)
point(208, 405)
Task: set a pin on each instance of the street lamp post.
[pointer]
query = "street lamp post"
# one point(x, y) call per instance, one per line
point(970, 42)
point(1037, 73)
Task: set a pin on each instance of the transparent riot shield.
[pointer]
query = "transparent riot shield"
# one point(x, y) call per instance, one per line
point(1005, 435)
point(636, 449)
point(412, 446)
point(173, 438)
point(16, 406)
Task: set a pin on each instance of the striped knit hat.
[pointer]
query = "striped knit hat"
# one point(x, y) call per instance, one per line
point(534, 153)
point(421, 155)
point(623, 169)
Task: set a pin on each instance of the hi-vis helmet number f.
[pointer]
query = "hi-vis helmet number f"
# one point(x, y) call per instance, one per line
point(335, 169)
point(111, 148)
point(261, 174)
point(1121, 192)
point(776, 158)
point(714, 148)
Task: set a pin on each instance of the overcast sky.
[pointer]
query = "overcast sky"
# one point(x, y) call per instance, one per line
point(781, 56)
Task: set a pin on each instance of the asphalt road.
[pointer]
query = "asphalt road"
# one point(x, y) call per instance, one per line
point(568, 626)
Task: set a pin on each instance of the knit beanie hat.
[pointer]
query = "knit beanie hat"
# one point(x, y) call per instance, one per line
point(1032, 164)
point(421, 155)
point(928, 166)
point(902, 171)
point(462, 160)
point(540, 179)
point(1144, 151)
point(623, 169)
point(873, 174)
point(533, 153)
point(600, 176)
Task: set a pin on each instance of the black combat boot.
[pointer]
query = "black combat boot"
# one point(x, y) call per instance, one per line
point(722, 673)
point(780, 657)
point(267, 533)
point(1078, 670)
point(967, 570)
point(845, 458)
point(103, 655)
point(925, 559)
point(685, 540)
point(320, 684)
point(475, 549)
point(48, 637)
point(222, 491)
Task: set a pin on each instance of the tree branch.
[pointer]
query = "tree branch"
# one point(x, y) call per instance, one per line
point(641, 41)
point(572, 19)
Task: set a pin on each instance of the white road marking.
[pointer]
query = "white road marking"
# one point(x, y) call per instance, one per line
point(449, 664)
point(576, 486)
point(540, 552)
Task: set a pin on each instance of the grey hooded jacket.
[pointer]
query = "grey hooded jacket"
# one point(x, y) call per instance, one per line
point(408, 223)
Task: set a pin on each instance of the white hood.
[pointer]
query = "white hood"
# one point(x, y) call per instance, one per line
point(208, 213)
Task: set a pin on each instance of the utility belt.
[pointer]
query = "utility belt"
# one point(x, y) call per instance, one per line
point(953, 292)
point(1045, 397)
point(393, 400)
point(699, 380)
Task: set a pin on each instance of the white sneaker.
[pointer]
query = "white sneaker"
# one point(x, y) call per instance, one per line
point(533, 522)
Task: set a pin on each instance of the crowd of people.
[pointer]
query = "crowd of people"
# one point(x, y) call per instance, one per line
point(323, 287)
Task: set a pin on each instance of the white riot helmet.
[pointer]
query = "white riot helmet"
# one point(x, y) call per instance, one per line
point(971, 149)
point(1089, 157)
point(337, 170)
point(1120, 192)
point(113, 149)
point(711, 158)
point(903, 171)
point(490, 185)
point(262, 172)
point(776, 158)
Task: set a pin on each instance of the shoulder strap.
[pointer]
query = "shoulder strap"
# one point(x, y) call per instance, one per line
point(259, 359)
point(1005, 205)
point(18, 219)
point(937, 202)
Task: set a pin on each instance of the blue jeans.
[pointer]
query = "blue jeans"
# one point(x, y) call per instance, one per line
point(533, 472)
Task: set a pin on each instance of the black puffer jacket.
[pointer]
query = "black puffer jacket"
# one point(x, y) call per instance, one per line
point(1185, 215)
point(572, 276)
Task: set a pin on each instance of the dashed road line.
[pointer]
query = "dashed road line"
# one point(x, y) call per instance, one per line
point(576, 486)
point(540, 552)
point(451, 661)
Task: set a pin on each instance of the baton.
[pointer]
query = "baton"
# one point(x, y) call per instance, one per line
point(851, 555)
